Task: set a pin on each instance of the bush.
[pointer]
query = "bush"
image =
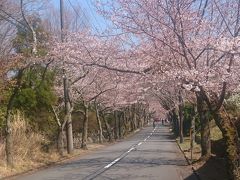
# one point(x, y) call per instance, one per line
point(26, 143)
point(26, 99)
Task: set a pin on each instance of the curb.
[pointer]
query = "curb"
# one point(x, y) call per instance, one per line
point(193, 169)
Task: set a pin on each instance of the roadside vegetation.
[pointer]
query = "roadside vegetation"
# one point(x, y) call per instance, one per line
point(213, 167)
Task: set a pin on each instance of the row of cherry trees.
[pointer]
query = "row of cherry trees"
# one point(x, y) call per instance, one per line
point(83, 78)
point(90, 79)
point(172, 46)
point(194, 44)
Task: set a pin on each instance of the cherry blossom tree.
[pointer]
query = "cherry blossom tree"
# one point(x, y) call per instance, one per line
point(194, 42)
point(109, 70)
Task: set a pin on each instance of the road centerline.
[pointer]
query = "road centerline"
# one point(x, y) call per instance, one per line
point(105, 168)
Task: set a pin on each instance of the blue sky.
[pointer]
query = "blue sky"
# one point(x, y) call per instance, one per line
point(97, 22)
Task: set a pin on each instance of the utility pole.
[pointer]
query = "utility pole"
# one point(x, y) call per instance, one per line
point(61, 20)
point(66, 86)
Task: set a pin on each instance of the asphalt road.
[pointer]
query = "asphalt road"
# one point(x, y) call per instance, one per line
point(151, 154)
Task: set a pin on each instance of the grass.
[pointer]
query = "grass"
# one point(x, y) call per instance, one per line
point(215, 167)
point(216, 133)
point(186, 148)
point(28, 153)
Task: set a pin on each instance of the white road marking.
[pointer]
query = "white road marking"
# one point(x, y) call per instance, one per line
point(132, 148)
point(107, 166)
point(112, 163)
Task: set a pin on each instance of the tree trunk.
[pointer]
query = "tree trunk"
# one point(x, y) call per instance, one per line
point(68, 115)
point(138, 118)
point(108, 128)
point(193, 125)
point(128, 120)
point(180, 116)
point(175, 122)
point(141, 122)
point(230, 136)
point(229, 131)
point(116, 131)
point(180, 124)
point(60, 144)
point(100, 134)
point(131, 127)
point(61, 126)
point(8, 147)
point(120, 122)
point(69, 134)
point(145, 119)
point(9, 142)
point(205, 128)
point(125, 123)
point(85, 127)
point(133, 118)
point(141, 116)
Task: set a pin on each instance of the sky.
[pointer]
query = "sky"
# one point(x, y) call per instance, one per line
point(98, 23)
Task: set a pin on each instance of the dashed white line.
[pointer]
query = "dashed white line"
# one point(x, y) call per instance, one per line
point(112, 163)
point(107, 166)
point(100, 171)
point(132, 148)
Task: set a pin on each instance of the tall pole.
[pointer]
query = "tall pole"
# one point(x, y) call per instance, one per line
point(61, 19)
point(66, 87)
